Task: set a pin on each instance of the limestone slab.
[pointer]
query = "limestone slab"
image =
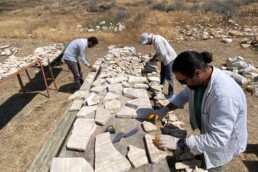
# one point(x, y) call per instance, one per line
point(187, 164)
point(78, 95)
point(115, 88)
point(148, 126)
point(76, 105)
point(126, 112)
point(115, 80)
point(137, 79)
point(82, 130)
point(70, 165)
point(107, 158)
point(98, 89)
point(111, 96)
point(102, 116)
point(93, 99)
point(139, 103)
point(154, 79)
point(141, 86)
point(113, 105)
point(135, 93)
point(86, 111)
point(137, 156)
point(155, 154)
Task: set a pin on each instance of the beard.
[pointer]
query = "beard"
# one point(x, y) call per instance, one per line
point(194, 87)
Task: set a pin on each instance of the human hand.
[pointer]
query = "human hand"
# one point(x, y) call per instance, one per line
point(166, 142)
point(92, 69)
point(161, 112)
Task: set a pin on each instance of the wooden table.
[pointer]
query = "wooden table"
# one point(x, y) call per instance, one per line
point(25, 68)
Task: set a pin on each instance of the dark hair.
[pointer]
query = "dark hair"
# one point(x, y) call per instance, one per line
point(188, 61)
point(93, 40)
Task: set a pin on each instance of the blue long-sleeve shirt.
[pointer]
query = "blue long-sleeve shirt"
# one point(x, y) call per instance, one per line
point(76, 49)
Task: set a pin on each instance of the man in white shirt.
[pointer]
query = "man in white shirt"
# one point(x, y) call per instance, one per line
point(72, 52)
point(166, 55)
point(217, 107)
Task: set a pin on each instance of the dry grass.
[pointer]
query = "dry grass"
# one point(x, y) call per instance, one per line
point(36, 22)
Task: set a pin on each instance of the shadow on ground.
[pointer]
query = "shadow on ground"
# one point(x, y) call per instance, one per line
point(13, 105)
point(252, 166)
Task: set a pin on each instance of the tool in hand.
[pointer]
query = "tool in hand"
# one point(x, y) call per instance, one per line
point(157, 122)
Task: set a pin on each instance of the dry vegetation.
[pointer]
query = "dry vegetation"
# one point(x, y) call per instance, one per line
point(138, 15)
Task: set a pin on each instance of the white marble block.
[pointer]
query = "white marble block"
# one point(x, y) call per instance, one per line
point(86, 111)
point(70, 165)
point(155, 153)
point(137, 156)
point(102, 116)
point(107, 158)
point(81, 134)
point(148, 126)
point(113, 105)
point(139, 103)
point(137, 79)
point(76, 105)
point(126, 112)
point(135, 93)
point(78, 95)
point(93, 99)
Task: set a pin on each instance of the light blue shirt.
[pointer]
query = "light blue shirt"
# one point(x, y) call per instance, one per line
point(165, 53)
point(224, 119)
point(76, 49)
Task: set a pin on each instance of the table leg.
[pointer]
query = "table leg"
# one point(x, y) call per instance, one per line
point(28, 74)
point(21, 84)
point(44, 77)
point(52, 76)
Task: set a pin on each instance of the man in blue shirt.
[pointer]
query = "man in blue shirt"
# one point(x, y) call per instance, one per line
point(72, 52)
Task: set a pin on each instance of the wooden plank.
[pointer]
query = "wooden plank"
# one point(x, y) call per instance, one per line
point(52, 146)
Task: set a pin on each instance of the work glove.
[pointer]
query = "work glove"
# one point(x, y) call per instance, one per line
point(167, 142)
point(161, 112)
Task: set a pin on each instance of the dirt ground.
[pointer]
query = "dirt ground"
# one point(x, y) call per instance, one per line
point(27, 120)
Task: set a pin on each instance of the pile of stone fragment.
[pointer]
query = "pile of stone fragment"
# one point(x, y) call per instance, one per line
point(6, 50)
point(243, 73)
point(119, 90)
point(46, 54)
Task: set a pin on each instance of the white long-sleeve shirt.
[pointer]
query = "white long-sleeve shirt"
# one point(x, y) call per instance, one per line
point(165, 53)
point(224, 119)
point(76, 49)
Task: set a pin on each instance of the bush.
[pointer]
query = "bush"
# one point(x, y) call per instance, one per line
point(122, 14)
point(158, 6)
point(176, 6)
point(139, 16)
point(226, 8)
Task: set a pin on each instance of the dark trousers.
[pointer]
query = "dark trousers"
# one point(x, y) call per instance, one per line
point(167, 74)
point(75, 68)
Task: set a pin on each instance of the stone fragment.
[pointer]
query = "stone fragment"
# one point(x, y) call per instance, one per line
point(99, 82)
point(239, 79)
point(135, 93)
point(78, 95)
point(76, 105)
point(107, 158)
point(154, 79)
point(126, 112)
point(115, 88)
point(87, 111)
point(155, 153)
point(187, 164)
point(70, 165)
point(226, 40)
point(81, 134)
point(115, 80)
point(111, 96)
point(139, 103)
point(93, 99)
point(141, 86)
point(102, 116)
point(113, 105)
point(125, 84)
point(148, 126)
point(137, 156)
point(98, 89)
point(137, 79)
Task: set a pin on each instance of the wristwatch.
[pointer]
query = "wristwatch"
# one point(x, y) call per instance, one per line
point(181, 144)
